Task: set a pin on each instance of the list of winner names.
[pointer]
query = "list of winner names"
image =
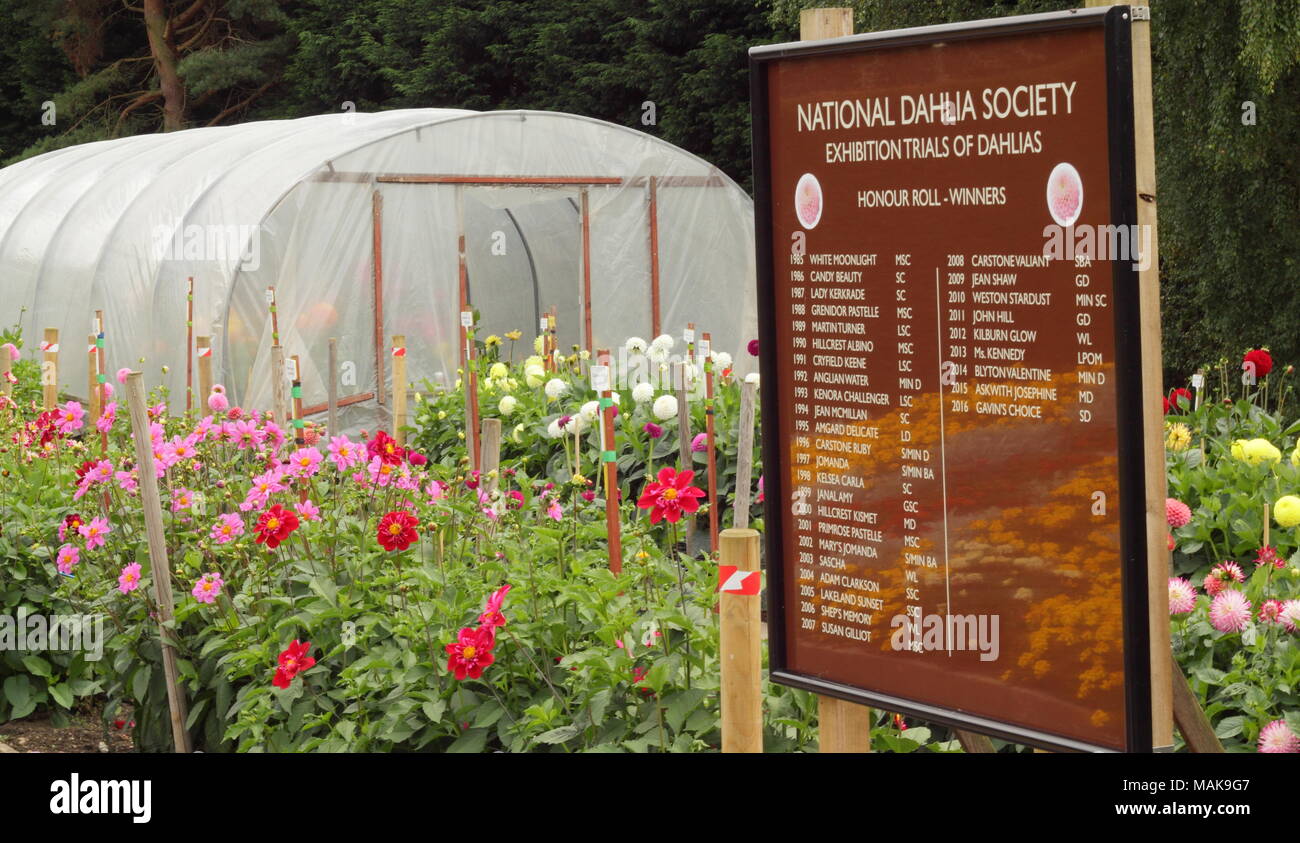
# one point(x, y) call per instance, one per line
point(858, 360)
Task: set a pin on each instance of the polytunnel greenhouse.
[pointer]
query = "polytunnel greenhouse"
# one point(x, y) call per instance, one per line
point(369, 226)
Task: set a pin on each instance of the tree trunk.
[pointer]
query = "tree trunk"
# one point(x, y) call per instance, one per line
point(164, 59)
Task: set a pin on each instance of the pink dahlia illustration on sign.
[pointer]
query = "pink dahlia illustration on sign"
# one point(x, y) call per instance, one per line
point(1064, 194)
point(808, 201)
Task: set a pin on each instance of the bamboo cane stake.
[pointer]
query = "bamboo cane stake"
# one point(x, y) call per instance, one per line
point(745, 455)
point(50, 369)
point(92, 386)
point(189, 347)
point(333, 387)
point(470, 384)
point(203, 347)
point(399, 388)
point(706, 354)
point(158, 564)
point(600, 381)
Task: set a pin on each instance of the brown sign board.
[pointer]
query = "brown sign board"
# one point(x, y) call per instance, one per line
point(952, 382)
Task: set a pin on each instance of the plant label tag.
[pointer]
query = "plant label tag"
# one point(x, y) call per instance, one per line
point(705, 346)
point(688, 336)
point(467, 319)
point(270, 295)
point(1198, 381)
point(600, 378)
point(291, 369)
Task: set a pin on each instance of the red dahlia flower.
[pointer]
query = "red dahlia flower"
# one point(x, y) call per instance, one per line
point(293, 660)
point(1262, 359)
point(670, 496)
point(275, 525)
point(471, 652)
point(397, 530)
point(386, 448)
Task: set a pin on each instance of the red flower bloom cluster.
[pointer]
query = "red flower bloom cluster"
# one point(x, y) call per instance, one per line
point(397, 530)
point(670, 496)
point(472, 649)
point(275, 525)
point(1171, 401)
point(1262, 359)
point(386, 448)
point(293, 660)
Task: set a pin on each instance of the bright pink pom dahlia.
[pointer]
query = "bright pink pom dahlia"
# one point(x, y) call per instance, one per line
point(1222, 574)
point(1270, 611)
point(1278, 737)
point(1289, 617)
point(1230, 611)
point(1182, 596)
point(1177, 513)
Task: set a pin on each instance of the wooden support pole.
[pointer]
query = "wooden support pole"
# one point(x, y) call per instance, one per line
point(842, 726)
point(740, 650)
point(586, 273)
point(92, 384)
point(745, 454)
point(399, 388)
point(706, 355)
point(189, 346)
point(654, 257)
point(601, 382)
point(203, 347)
point(50, 369)
point(462, 268)
point(377, 282)
point(158, 564)
point(332, 387)
point(840, 720)
point(299, 437)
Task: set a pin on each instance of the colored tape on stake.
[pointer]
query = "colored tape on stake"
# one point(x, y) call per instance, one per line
point(207, 352)
point(50, 347)
point(608, 456)
point(399, 351)
point(606, 403)
point(297, 391)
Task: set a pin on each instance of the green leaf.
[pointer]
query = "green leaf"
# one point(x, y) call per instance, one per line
point(472, 741)
point(140, 682)
point(560, 735)
point(683, 703)
point(1229, 726)
point(434, 710)
point(37, 666)
point(62, 694)
point(18, 690)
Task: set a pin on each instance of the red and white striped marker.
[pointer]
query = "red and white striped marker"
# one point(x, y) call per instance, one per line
point(50, 347)
point(399, 351)
point(205, 352)
point(736, 581)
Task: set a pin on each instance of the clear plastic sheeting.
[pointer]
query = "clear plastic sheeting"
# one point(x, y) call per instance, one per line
point(550, 206)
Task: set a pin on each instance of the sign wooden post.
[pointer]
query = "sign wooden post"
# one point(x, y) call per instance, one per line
point(935, 323)
point(332, 387)
point(50, 368)
point(158, 564)
point(399, 388)
point(203, 348)
point(601, 383)
point(740, 648)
